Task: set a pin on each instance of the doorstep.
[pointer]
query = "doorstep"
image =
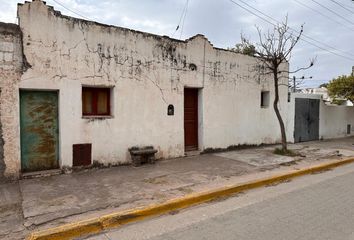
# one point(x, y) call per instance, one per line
point(38, 174)
point(192, 153)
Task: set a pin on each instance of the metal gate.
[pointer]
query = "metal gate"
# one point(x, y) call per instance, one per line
point(39, 130)
point(307, 112)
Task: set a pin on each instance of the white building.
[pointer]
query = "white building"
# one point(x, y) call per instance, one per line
point(75, 92)
point(322, 91)
point(93, 89)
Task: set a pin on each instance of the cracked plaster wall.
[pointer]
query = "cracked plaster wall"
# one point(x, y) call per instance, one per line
point(10, 73)
point(147, 72)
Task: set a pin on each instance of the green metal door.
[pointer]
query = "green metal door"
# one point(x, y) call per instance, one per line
point(39, 130)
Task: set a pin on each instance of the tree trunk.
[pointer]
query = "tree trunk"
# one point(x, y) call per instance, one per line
point(276, 109)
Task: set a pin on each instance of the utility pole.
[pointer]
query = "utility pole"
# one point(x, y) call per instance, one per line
point(300, 82)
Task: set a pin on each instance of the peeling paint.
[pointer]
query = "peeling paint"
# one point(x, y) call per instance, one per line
point(11, 68)
point(2, 163)
point(147, 73)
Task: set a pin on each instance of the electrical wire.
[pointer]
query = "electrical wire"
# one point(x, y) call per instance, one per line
point(342, 6)
point(182, 17)
point(322, 14)
point(302, 39)
point(330, 10)
point(348, 6)
point(78, 14)
point(305, 36)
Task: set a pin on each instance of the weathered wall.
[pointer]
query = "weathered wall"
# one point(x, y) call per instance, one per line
point(2, 163)
point(147, 72)
point(10, 72)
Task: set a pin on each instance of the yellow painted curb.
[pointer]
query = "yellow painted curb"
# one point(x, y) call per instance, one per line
point(96, 225)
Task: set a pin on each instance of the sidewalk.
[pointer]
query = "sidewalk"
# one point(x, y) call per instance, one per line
point(35, 204)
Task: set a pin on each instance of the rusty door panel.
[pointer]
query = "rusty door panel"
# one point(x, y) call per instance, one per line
point(191, 119)
point(39, 130)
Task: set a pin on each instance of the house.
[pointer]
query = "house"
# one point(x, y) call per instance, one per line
point(320, 90)
point(323, 91)
point(71, 87)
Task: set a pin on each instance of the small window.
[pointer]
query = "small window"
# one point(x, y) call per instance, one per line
point(96, 101)
point(264, 99)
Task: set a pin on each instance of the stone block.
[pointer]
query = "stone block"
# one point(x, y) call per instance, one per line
point(8, 57)
point(7, 67)
point(6, 47)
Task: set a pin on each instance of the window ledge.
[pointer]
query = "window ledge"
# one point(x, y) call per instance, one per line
point(97, 117)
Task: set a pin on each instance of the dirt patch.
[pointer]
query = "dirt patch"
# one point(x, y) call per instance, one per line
point(185, 190)
point(278, 182)
point(156, 180)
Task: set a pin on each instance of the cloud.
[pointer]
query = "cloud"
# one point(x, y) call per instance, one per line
point(146, 25)
point(8, 11)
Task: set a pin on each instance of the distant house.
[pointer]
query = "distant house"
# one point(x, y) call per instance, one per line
point(325, 96)
point(321, 91)
point(74, 89)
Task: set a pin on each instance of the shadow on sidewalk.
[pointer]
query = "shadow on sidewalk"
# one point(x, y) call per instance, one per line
point(56, 200)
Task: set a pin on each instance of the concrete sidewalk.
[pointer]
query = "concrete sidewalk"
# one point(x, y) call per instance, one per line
point(35, 204)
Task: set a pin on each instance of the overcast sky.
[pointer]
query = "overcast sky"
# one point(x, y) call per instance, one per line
point(330, 26)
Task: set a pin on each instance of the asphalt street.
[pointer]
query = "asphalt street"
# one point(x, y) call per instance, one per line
point(317, 206)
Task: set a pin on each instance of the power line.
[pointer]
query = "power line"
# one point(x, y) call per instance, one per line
point(182, 17)
point(305, 36)
point(342, 6)
point(348, 6)
point(330, 10)
point(322, 14)
point(273, 24)
point(78, 14)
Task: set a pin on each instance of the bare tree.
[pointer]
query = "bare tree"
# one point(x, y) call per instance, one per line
point(274, 51)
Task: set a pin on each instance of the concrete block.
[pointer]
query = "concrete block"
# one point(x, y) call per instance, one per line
point(6, 47)
point(8, 57)
point(7, 67)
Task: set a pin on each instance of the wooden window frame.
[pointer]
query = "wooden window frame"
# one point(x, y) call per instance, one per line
point(94, 103)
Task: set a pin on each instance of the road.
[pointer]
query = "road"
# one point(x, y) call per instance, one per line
point(317, 206)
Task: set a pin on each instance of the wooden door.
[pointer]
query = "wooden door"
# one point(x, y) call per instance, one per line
point(191, 119)
point(39, 130)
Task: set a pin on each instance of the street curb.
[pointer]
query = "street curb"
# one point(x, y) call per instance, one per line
point(96, 225)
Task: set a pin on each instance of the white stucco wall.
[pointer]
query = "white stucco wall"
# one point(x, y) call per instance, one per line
point(334, 121)
point(146, 72)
